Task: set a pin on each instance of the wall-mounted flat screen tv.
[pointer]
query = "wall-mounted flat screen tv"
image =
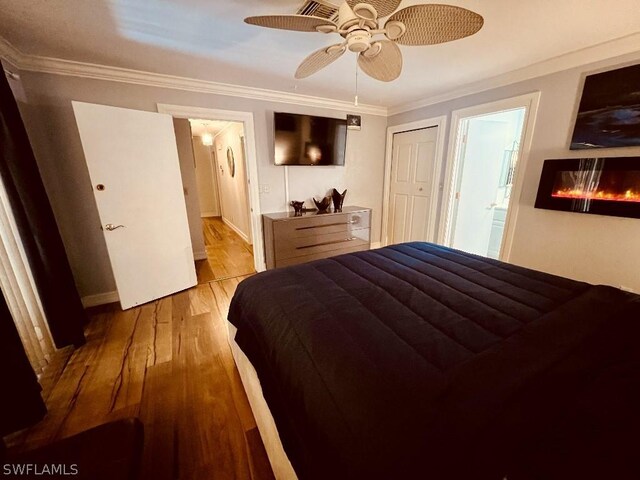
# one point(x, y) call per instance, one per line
point(309, 140)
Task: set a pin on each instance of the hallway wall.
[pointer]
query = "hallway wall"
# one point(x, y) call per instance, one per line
point(234, 198)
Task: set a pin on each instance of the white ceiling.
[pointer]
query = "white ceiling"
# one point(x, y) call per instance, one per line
point(198, 127)
point(208, 40)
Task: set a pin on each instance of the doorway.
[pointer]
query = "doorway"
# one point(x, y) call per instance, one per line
point(219, 158)
point(219, 161)
point(484, 176)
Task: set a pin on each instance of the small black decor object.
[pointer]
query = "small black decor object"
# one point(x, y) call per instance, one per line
point(338, 199)
point(354, 122)
point(323, 205)
point(297, 207)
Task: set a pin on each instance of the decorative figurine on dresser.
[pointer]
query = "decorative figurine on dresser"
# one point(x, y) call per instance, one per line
point(298, 208)
point(323, 205)
point(290, 239)
point(338, 199)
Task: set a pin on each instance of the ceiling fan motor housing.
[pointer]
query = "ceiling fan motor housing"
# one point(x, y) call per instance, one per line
point(358, 41)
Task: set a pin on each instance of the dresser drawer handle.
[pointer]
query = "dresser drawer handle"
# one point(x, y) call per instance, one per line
point(350, 222)
point(327, 243)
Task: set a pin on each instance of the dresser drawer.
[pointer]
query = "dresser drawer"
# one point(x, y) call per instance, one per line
point(301, 246)
point(320, 225)
point(317, 256)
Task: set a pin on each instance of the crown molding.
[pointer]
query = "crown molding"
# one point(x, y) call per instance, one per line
point(72, 68)
point(595, 53)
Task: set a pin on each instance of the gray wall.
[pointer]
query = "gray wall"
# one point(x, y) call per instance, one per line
point(51, 126)
point(189, 185)
point(591, 248)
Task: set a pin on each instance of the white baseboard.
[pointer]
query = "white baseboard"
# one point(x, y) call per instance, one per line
point(237, 230)
point(100, 299)
point(202, 255)
point(209, 214)
point(376, 245)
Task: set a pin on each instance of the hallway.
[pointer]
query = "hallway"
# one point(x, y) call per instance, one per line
point(228, 255)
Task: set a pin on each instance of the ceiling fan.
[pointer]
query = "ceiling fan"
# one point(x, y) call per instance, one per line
point(376, 44)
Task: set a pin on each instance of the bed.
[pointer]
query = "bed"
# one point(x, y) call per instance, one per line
point(418, 361)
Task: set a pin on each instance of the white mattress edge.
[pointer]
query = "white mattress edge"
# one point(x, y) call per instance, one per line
point(280, 464)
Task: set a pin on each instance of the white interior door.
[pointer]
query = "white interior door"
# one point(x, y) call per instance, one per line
point(481, 158)
point(135, 174)
point(412, 185)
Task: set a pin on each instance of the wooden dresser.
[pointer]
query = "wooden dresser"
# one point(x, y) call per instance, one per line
point(289, 240)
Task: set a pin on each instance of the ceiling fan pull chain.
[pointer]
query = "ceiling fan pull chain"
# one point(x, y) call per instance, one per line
point(355, 102)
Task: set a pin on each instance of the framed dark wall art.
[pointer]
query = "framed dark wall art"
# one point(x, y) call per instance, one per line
point(609, 112)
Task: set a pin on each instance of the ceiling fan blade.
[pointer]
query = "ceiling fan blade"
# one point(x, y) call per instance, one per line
point(386, 66)
point(383, 7)
point(434, 23)
point(299, 23)
point(319, 59)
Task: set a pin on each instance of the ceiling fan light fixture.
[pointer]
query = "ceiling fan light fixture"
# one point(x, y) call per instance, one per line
point(326, 28)
point(359, 41)
point(365, 11)
point(395, 29)
point(373, 50)
point(335, 48)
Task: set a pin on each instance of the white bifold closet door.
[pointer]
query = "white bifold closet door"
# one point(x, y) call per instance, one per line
point(412, 185)
point(133, 163)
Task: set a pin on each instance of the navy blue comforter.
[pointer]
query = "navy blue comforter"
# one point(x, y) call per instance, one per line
point(418, 361)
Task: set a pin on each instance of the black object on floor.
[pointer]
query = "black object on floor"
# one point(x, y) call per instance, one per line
point(111, 451)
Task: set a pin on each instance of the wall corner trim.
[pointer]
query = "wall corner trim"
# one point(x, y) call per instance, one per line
point(202, 255)
point(100, 299)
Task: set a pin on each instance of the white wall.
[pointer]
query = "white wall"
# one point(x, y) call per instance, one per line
point(234, 197)
point(51, 127)
point(592, 248)
point(185, 154)
point(207, 188)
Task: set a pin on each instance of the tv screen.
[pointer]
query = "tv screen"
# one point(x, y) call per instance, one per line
point(308, 140)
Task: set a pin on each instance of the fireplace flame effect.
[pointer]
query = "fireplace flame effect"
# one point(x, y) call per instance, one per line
point(627, 196)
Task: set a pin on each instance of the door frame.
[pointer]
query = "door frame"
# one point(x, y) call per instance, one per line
point(531, 102)
point(439, 122)
point(251, 163)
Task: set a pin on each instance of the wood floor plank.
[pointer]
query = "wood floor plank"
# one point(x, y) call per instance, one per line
point(209, 431)
point(158, 414)
point(220, 291)
point(163, 334)
point(259, 461)
point(228, 255)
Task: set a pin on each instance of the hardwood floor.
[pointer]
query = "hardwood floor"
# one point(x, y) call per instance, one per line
point(167, 362)
point(228, 255)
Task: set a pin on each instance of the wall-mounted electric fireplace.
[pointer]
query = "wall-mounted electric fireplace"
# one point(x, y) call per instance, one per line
point(602, 186)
